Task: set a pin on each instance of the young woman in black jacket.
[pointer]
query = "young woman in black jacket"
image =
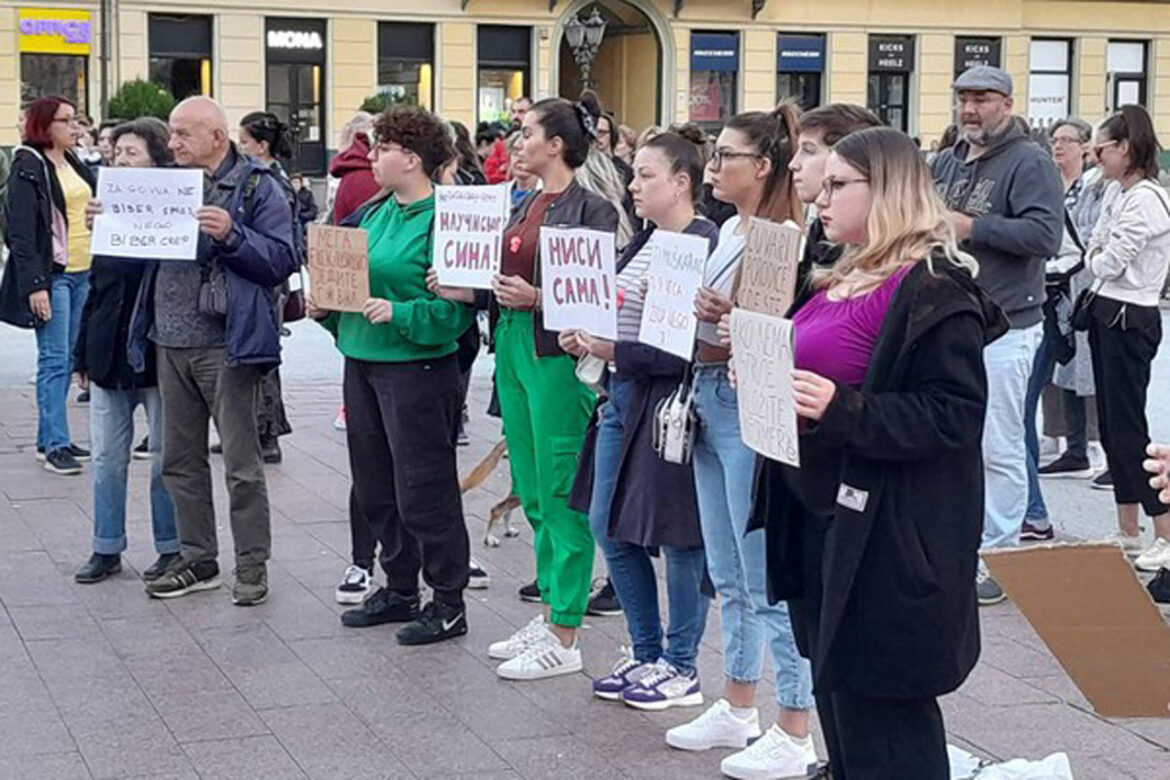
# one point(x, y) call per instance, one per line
point(874, 540)
point(48, 271)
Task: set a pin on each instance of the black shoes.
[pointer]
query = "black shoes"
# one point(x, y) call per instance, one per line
point(1103, 481)
point(1067, 467)
point(184, 577)
point(1159, 588)
point(530, 592)
point(159, 567)
point(436, 622)
point(270, 450)
point(604, 602)
point(382, 606)
point(62, 462)
point(142, 451)
point(98, 567)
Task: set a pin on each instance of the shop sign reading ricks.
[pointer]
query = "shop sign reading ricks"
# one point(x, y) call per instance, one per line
point(55, 31)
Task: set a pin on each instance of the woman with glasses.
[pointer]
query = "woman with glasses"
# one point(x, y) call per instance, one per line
point(47, 276)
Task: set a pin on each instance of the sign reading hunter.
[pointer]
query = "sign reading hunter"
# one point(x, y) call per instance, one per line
point(577, 281)
point(147, 213)
point(469, 226)
point(891, 53)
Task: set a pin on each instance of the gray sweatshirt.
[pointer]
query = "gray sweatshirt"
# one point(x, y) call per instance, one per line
point(1015, 194)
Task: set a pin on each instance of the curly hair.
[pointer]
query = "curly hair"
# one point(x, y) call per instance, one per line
point(417, 130)
point(153, 132)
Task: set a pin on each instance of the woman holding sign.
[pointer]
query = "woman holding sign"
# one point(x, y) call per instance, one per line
point(875, 541)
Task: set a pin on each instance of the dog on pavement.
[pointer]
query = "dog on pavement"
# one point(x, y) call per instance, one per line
point(502, 511)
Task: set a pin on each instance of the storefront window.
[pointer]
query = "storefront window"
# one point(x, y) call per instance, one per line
point(406, 54)
point(54, 74)
point(504, 64)
point(1049, 80)
point(180, 54)
point(54, 54)
point(891, 64)
point(970, 52)
point(296, 88)
point(714, 66)
point(800, 63)
point(1126, 65)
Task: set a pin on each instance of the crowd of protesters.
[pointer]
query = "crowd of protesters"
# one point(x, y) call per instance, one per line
point(937, 304)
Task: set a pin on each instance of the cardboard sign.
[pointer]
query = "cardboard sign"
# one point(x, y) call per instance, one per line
point(767, 278)
point(672, 280)
point(762, 349)
point(148, 213)
point(469, 228)
point(339, 267)
point(1088, 606)
point(577, 281)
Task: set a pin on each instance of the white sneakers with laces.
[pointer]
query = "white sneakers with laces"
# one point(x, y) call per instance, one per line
point(507, 649)
point(1130, 545)
point(717, 727)
point(542, 659)
point(355, 585)
point(774, 756)
point(1156, 556)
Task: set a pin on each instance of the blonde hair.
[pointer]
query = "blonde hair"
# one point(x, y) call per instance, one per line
point(601, 177)
point(907, 220)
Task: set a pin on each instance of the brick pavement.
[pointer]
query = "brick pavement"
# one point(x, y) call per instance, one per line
point(101, 682)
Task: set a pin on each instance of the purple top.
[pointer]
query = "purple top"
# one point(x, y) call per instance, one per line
point(835, 338)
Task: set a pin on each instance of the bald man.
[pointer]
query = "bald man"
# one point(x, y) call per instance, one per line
point(213, 323)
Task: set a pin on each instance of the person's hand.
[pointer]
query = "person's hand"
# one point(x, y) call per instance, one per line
point(515, 293)
point(82, 381)
point(1159, 465)
point(961, 223)
point(378, 311)
point(599, 348)
point(813, 393)
point(314, 312)
point(92, 209)
point(457, 294)
point(567, 339)
point(724, 330)
point(39, 303)
point(214, 221)
point(711, 305)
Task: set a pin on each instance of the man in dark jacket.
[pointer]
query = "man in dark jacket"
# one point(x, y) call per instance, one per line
point(1007, 208)
point(215, 328)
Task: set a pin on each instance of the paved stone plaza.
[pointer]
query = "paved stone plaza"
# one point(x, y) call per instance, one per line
point(101, 682)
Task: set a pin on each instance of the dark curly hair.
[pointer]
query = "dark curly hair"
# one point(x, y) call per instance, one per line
point(154, 132)
point(266, 126)
point(418, 131)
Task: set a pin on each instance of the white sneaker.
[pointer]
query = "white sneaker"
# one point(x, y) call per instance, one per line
point(339, 421)
point(1050, 446)
point(717, 727)
point(532, 633)
point(773, 756)
point(542, 660)
point(1097, 456)
point(1130, 545)
point(355, 586)
point(1156, 556)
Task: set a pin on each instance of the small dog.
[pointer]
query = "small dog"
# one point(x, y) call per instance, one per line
point(502, 510)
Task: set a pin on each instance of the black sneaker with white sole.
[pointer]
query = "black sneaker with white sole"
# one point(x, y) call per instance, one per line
point(1103, 481)
point(1159, 589)
point(142, 451)
point(184, 577)
point(436, 623)
point(356, 584)
point(81, 454)
point(477, 577)
point(530, 592)
point(62, 462)
point(1066, 467)
point(604, 603)
point(383, 606)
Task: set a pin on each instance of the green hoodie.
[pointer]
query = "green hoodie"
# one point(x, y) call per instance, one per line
point(422, 326)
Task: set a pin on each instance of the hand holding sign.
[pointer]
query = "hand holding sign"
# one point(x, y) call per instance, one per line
point(578, 285)
point(762, 346)
point(148, 213)
point(767, 278)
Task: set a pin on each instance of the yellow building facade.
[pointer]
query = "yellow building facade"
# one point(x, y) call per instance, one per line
point(659, 61)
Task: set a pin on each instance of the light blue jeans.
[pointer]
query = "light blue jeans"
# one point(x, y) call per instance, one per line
point(724, 472)
point(1005, 457)
point(111, 425)
point(55, 341)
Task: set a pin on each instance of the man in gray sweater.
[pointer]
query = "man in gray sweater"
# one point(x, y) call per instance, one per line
point(1006, 204)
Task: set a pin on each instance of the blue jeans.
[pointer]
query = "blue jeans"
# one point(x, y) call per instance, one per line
point(1005, 456)
point(111, 424)
point(724, 472)
point(1042, 367)
point(630, 568)
point(55, 341)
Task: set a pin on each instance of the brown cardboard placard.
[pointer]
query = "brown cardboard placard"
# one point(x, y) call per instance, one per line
point(339, 268)
point(1088, 606)
point(767, 276)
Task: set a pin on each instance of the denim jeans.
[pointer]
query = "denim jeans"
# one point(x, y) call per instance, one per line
point(1005, 456)
point(111, 425)
point(724, 472)
point(55, 341)
point(1042, 367)
point(630, 568)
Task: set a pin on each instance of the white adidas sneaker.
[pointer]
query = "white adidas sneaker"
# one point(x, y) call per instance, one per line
point(506, 649)
point(717, 727)
point(547, 658)
point(774, 755)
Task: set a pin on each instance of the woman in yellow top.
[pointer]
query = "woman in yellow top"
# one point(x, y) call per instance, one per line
point(48, 277)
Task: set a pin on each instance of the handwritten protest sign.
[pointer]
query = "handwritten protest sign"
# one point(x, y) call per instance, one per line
point(578, 281)
point(674, 276)
point(762, 346)
point(767, 278)
point(339, 267)
point(147, 213)
point(469, 226)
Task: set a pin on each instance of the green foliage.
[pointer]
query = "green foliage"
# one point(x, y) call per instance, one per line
point(377, 103)
point(140, 98)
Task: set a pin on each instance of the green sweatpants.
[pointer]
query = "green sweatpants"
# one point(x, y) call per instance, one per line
point(546, 410)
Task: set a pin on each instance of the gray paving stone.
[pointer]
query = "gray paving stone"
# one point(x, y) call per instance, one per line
point(327, 741)
point(243, 758)
point(138, 745)
point(71, 621)
point(286, 684)
point(181, 671)
point(564, 757)
point(206, 715)
point(58, 766)
point(31, 727)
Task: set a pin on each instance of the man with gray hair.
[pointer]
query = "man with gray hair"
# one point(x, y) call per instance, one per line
point(215, 328)
point(1006, 204)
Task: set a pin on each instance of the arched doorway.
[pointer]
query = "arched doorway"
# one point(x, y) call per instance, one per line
point(628, 71)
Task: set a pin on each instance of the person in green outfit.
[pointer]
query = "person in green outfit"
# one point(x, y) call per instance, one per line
point(403, 394)
point(545, 408)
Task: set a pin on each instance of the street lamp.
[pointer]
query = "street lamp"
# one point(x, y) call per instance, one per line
point(584, 38)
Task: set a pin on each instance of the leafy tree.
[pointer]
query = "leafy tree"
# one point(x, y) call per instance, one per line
point(379, 102)
point(140, 98)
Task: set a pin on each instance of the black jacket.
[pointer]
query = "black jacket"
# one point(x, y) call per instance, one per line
point(895, 611)
point(33, 189)
point(105, 326)
point(654, 501)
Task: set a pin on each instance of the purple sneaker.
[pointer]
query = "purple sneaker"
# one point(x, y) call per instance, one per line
point(662, 688)
point(626, 672)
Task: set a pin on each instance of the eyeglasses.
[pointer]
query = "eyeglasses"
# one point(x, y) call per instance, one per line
point(720, 155)
point(833, 186)
point(1065, 141)
point(1098, 147)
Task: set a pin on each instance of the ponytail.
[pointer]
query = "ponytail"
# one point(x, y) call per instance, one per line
point(774, 135)
point(266, 126)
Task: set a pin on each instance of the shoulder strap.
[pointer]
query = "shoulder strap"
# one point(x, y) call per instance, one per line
point(1072, 231)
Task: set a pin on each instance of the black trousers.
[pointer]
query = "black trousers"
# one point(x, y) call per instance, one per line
point(399, 419)
point(1123, 343)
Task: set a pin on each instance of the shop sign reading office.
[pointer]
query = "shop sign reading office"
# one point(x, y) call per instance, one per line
point(55, 31)
point(294, 39)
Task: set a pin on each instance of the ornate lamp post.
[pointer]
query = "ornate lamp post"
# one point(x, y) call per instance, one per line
point(584, 39)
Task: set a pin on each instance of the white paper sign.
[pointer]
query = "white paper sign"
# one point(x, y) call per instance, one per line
point(672, 280)
point(762, 348)
point(577, 281)
point(469, 228)
point(148, 213)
